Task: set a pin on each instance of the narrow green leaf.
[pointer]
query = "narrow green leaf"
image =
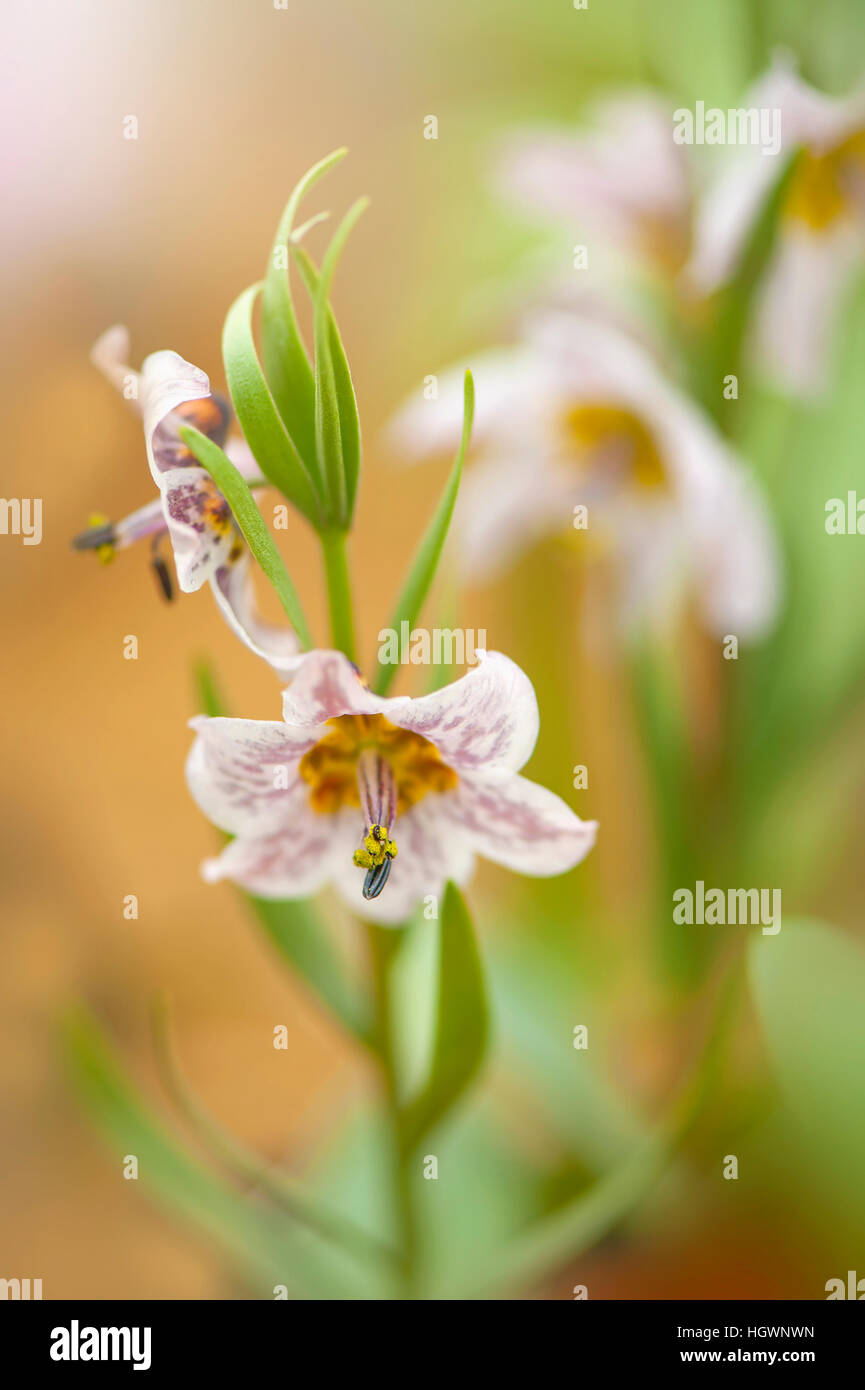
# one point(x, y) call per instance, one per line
point(264, 1243)
point(286, 364)
point(234, 489)
point(462, 1024)
point(349, 419)
point(328, 432)
point(294, 927)
point(423, 567)
point(259, 419)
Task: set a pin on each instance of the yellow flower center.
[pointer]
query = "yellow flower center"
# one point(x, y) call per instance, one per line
point(330, 768)
point(822, 187)
point(617, 434)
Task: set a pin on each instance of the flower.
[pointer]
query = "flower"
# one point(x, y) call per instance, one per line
point(822, 223)
point(329, 793)
point(624, 178)
point(207, 544)
point(580, 415)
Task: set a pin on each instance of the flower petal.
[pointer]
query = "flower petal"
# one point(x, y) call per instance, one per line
point(202, 529)
point(519, 824)
point(232, 769)
point(327, 685)
point(487, 720)
point(799, 310)
point(429, 855)
point(293, 863)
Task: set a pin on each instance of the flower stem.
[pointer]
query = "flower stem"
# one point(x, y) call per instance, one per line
point(339, 592)
point(384, 943)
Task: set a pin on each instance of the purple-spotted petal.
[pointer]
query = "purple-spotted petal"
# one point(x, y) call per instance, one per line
point(200, 523)
point(486, 720)
point(327, 685)
point(243, 773)
point(519, 824)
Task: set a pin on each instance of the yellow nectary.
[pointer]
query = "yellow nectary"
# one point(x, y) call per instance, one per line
point(330, 768)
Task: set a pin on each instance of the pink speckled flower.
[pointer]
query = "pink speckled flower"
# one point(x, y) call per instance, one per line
point(329, 793)
point(170, 392)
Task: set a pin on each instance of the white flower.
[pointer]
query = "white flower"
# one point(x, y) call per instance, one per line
point(370, 792)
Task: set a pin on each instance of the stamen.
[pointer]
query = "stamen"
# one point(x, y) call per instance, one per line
point(378, 796)
point(161, 570)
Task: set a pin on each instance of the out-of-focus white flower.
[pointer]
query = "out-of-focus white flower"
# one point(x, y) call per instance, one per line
point(324, 795)
point(207, 544)
point(579, 414)
point(822, 225)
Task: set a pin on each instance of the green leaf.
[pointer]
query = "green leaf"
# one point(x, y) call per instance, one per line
point(808, 984)
point(329, 441)
point(259, 419)
point(462, 1024)
point(423, 567)
point(262, 1242)
point(286, 364)
point(234, 489)
point(349, 420)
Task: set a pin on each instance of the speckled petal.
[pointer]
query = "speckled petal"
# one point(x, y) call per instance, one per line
point(519, 824)
point(292, 863)
point(243, 773)
point(486, 720)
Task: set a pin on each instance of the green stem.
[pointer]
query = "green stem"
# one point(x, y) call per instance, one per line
point(339, 591)
point(384, 943)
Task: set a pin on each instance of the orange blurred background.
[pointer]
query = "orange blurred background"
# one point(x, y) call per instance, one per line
point(234, 101)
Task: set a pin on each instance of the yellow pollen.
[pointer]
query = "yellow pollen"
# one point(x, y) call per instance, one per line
point(819, 193)
point(330, 768)
point(592, 428)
